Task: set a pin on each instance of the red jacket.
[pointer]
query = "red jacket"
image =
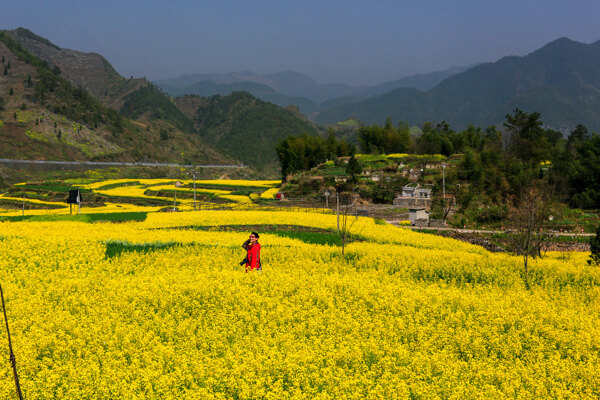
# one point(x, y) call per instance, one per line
point(253, 256)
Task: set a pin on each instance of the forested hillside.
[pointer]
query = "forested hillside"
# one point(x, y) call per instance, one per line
point(259, 90)
point(45, 116)
point(243, 126)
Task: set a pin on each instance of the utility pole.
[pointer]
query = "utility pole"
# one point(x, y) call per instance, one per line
point(337, 198)
point(444, 183)
point(193, 174)
point(444, 189)
point(23, 204)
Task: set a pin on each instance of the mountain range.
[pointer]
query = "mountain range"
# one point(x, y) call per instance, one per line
point(61, 104)
point(68, 105)
point(560, 80)
point(294, 88)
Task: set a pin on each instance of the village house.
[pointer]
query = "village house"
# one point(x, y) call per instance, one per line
point(413, 195)
point(414, 190)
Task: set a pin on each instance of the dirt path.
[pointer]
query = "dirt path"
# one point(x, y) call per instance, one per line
point(458, 230)
point(225, 176)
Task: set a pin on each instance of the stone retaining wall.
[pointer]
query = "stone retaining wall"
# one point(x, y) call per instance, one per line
point(411, 202)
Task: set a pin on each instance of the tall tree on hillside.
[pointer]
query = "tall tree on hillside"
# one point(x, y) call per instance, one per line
point(436, 139)
point(576, 169)
point(471, 138)
point(528, 140)
point(470, 168)
point(331, 145)
point(578, 135)
point(493, 139)
point(404, 139)
point(370, 139)
point(353, 168)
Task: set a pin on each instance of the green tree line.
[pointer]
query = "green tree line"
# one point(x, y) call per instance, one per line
point(301, 153)
point(500, 163)
point(435, 139)
point(496, 163)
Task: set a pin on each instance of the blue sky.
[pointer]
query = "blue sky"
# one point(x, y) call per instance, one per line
point(354, 42)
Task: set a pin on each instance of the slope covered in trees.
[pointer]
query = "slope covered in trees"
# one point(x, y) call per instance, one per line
point(45, 116)
point(301, 153)
point(245, 127)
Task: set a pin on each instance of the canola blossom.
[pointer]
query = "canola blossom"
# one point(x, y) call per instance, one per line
point(129, 191)
point(190, 189)
point(124, 182)
point(28, 200)
point(242, 183)
point(137, 188)
point(161, 310)
point(270, 193)
point(220, 188)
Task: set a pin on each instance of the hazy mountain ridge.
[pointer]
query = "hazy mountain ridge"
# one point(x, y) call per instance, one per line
point(422, 82)
point(294, 88)
point(296, 84)
point(560, 80)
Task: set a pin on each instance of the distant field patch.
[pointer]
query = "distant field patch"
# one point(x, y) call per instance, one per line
point(349, 123)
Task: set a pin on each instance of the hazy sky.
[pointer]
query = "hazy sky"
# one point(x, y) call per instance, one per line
point(354, 42)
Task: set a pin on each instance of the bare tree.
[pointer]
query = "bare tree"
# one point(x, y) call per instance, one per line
point(346, 205)
point(525, 223)
point(442, 206)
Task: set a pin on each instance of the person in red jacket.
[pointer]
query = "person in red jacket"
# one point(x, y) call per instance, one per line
point(252, 259)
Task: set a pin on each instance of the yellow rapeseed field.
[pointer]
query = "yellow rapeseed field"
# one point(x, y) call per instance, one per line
point(219, 188)
point(269, 194)
point(161, 309)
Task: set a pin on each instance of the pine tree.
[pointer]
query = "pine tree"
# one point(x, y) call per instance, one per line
point(353, 168)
